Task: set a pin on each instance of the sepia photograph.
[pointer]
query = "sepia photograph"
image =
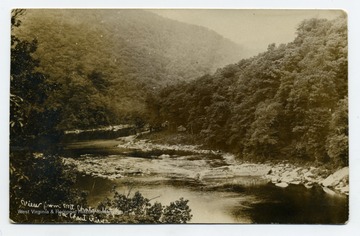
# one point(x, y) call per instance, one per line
point(174, 116)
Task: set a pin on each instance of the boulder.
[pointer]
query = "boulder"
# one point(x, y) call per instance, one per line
point(289, 176)
point(335, 178)
point(274, 179)
point(308, 174)
point(328, 191)
point(295, 182)
point(308, 185)
point(282, 184)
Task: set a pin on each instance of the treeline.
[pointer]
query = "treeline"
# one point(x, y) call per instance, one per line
point(103, 62)
point(290, 101)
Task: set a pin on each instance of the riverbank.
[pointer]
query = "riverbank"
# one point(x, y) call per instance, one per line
point(207, 167)
point(284, 174)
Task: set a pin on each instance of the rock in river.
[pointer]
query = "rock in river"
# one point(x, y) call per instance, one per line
point(282, 184)
point(335, 178)
point(328, 191)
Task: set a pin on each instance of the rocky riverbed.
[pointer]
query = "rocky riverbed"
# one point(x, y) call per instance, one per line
point(209, 167)
point(283, 175)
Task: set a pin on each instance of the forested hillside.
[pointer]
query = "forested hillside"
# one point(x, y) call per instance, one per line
point(290, 101)
point(103, 62)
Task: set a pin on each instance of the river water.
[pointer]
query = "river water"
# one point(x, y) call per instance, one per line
point(231, 200)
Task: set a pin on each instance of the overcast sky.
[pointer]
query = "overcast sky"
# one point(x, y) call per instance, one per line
point(253, 29)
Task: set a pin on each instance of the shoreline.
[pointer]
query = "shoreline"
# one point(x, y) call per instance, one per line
point(285, 174)
point(281, 173)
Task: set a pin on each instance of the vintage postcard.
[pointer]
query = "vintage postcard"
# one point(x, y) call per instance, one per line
point(149, 116)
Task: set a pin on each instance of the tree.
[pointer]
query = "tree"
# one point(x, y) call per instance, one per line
point(34, 176)
point(29, 89)
point(138, 209)
point(264, 140)
point(37, 177)
point(337, 144)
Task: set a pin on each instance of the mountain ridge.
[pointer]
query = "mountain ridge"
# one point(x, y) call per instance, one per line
point(163, 42)
point(112, 59)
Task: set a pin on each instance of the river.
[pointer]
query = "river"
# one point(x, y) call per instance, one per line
point(212, 198)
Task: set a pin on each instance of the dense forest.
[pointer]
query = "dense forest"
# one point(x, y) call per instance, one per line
point(103, 63)
point(290, 101)
point(127, 67)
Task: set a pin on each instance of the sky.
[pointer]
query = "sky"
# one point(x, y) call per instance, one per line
point(253, 29)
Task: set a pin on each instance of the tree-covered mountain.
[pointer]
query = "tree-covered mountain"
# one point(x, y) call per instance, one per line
point(107, 60)
point(97, 67)
point(290, 101)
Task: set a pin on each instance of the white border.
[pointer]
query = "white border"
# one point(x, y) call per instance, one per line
point(352, 7)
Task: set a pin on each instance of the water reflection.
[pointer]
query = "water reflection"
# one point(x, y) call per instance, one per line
point(254, 202)
point(296, 204)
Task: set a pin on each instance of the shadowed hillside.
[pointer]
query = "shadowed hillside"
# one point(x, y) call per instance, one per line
point(121, 54)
